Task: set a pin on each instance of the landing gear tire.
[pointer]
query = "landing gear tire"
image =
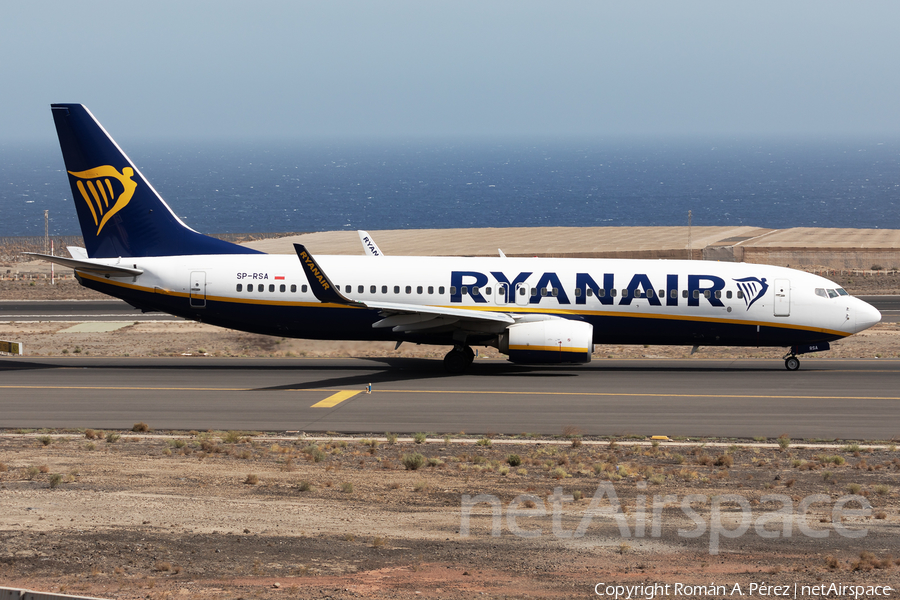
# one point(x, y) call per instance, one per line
point(458, 360)
point(792, 363)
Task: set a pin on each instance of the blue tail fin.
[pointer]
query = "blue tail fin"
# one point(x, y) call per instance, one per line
point(119, 211)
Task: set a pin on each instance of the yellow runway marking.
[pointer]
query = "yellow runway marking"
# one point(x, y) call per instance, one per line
point(335, 399)
point(339, 397)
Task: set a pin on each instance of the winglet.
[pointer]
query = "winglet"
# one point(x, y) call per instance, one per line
point(369, 245)
point(321, 286)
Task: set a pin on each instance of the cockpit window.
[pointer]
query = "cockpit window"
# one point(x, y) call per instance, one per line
point(832, 294)
point(842, 292)
point(821, 292)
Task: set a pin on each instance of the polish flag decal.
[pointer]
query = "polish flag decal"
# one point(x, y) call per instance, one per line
point(281, 277)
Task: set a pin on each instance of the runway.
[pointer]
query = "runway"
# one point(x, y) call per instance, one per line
point(846, 399)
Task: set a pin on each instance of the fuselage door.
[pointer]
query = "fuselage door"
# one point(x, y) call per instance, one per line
point(198, 289)
point(782, 298)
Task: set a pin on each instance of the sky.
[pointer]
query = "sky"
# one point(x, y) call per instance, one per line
point(362, 69)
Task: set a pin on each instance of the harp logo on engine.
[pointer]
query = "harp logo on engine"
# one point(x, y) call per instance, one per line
point(105, 191)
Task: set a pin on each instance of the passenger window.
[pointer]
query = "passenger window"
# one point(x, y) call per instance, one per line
point(589, 292)
point(384, 289)
point(487, 291)
point(452, 290)
point(578, 292)
point(282, 287)
point(409, 289)
point(465, 290)
point(600, 294)
point(673, 293)
point(474, 290)
point(303, 288)
point(533, 292)
point(543, 291)
point(372, 289)
point(293, 288)
point(521, 291)
point(696, 294)
point(360, 289)
point(661, 293)
point(728, 294)
point(684, 293)
point(555, 292)
point(239, 287)
point(348, 289)
point(441, 291)
point(419, 290)
point(396, 289)
point(740, 295)
point(650, 293)
point(430, 289)
point(718, 293)
point(612, 293)
point(624, 292)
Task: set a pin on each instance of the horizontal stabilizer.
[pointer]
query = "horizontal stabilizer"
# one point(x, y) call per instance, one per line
point(89, 266)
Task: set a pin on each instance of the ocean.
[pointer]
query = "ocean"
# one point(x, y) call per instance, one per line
point(278, 186)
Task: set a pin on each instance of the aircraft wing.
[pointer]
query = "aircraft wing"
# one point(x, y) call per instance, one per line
point(407, 317)
point(88, 265)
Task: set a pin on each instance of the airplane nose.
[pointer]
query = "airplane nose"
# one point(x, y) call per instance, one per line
point(866, 315)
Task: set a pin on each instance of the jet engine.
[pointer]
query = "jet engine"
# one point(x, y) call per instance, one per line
point(548, 341)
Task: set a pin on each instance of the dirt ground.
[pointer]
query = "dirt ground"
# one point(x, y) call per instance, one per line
point(250, 515)
point(242, 515)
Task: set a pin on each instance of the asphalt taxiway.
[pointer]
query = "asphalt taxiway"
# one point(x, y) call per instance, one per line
point(843, 399)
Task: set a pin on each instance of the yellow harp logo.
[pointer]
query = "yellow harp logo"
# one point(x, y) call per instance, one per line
point(105, 190)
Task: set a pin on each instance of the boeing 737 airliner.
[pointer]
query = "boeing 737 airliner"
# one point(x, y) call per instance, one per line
point(535, 310)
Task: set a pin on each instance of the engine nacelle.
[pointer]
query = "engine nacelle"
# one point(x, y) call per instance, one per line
point(550, 341)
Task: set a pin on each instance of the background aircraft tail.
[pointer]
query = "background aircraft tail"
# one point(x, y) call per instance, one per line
point(119, 211)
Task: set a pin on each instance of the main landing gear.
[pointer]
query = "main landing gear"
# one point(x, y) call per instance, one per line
point(458, 359)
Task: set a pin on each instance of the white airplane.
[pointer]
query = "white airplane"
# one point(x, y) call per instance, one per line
point(535, 310)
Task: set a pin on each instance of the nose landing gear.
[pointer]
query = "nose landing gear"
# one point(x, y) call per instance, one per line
point(792, 363)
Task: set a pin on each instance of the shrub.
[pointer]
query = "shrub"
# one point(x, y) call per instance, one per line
point(314, 453)
point(391, 437)
point(577, 495)
point(420, 438)
point(44, 469)
point(46, 440)
point(91, 434)
point(231, 437)
point(412, 461)
point(140, 427)
point(724, 460)
point(784, 441)
point(559, 473)
point(421, 485)
point(514, 460)
point(251, 479)
point(853, 488)
point(485, 441)
point(305, 486)
point(55, 480)
point(3, 468)
point(882, 489)
point(112, 438)
point(347, 487)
